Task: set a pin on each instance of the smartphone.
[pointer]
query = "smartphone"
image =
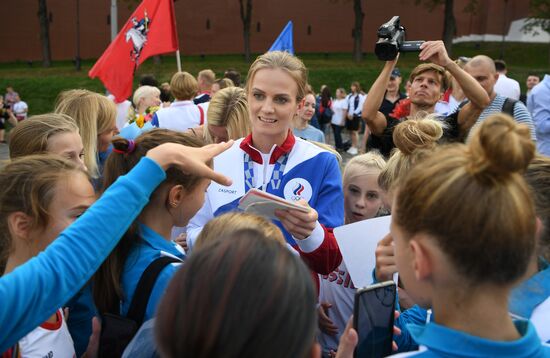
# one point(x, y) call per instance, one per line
point(373, 319)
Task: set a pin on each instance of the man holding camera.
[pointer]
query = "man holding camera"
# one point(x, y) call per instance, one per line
point(428, 83)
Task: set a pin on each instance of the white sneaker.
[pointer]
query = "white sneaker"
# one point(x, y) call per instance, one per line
point(353, 151)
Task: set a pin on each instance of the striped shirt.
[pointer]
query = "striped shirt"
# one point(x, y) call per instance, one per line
point(521, 115)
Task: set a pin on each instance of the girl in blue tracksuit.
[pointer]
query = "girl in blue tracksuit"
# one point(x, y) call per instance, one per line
point(531, 298)
point(173, 204)
point(457, 258)
point(35, 290)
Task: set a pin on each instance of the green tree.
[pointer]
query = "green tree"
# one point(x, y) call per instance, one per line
point(539, 18)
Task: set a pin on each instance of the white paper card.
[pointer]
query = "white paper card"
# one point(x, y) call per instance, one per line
point(261, 203)
point(357, 244)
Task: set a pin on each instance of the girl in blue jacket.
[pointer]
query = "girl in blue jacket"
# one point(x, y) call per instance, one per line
point(531, 298)
point(34, 290)
point(178, 198)
point(463, 260)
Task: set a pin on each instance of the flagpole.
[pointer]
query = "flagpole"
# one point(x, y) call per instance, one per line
point(178, 60)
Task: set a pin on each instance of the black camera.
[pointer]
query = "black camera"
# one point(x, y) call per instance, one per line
point(391, 41)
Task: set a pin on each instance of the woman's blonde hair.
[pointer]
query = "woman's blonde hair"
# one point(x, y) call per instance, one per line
point(226, 224)
point(413, 138)
point(31, 135)
point(94, 114)
point(363, 163)
point(229, 108)
point(28, 185)
point(473, 201)
point(144, 91)
point(183, 86)
point(284, 61)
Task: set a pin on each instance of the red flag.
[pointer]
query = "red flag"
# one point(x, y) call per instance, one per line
point(151, 30)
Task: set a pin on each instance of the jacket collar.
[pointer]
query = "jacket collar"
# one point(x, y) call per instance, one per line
point(157, 242)
point(247, 146)
point(530, 293)
point(453, 343)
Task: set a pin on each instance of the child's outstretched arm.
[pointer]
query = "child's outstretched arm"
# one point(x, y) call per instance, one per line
point(35, 290)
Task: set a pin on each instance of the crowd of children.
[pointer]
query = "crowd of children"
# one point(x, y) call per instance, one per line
point(140, 233)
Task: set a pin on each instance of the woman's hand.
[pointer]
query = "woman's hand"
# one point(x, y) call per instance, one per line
point(190, 160)
point(385, 259)
point(182, 241)
point(325, 323)
point(298, 223)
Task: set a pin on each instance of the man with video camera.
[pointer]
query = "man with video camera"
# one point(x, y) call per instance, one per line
point(428, 83)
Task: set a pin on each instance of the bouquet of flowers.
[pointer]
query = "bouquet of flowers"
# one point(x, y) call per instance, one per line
point(141, 119)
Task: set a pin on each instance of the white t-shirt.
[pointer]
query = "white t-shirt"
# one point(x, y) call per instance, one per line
point(507, 87)
point(339, 107)
point(20, 110)
point(180, 116)
point(337, 289)
point(48, 340)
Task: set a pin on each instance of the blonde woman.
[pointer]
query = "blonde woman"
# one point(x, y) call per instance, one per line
point(272, 159)
point(95, 116)
point(146, 102)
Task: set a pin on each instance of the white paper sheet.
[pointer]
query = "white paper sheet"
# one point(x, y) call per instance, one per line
point(357, 244)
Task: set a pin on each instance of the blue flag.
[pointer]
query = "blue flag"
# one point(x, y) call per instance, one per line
point(284, 41)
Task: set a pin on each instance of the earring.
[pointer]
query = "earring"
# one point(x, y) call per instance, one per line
point(173, 204)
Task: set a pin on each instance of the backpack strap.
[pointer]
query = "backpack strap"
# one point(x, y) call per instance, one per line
point(201, 110)
point(508, 106)
point(145, 286)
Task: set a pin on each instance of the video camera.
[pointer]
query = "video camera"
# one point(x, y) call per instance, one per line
point(391, 41)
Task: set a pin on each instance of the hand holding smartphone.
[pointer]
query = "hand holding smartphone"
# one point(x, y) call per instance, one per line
point(373, 320)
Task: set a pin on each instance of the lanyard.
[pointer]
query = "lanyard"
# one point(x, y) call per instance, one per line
point(276, 177)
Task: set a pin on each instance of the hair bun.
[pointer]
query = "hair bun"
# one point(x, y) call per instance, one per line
point(501, 146)
point(414, 134)
point(123, 145)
